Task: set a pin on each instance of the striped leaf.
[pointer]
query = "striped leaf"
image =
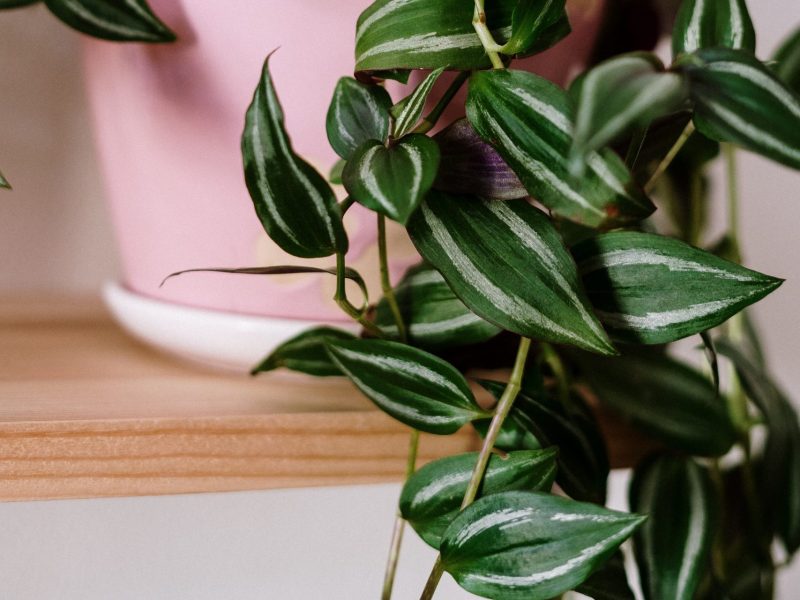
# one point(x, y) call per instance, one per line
point(609, 582)
point(529, 121)
point(357, 113)
point(672, 547)
point(429, 34)
point(414, 387)
point(622, 94)
point(787, 62)
point(582, 456)
point(434, 316)
point(294, 203)
point(471, 166)
point(531, 545)
point(651, 289)
point(711, 24)
point(408, 111)
point(432, 496)
point(507, 263)
point(118, 20)
point(537, 25)
point(664, 398)
point(737, 99)
point(305, 353)
point(779, 469)
point(392, 181)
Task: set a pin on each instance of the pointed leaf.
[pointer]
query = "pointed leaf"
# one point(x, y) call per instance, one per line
point(779, 469)
point(621, 94)
point(4, 182)
point(672, 547)
point(408, 111)
point(432, 496)
point(651, 289)
point(392, 181)
point(118, 20)
point(414, 387)
point(739, 100)
point(664, 398)
point(294, 203)
point(471, 166)
point(358, 112)
point(529, 121)
point(433, 314)
point(537, 25)
point(609, 582)
point(711, 24)
point(582, 456)
point(787, 62)
point(306, 353)
point(530, 545)
point(507, 263)
point(428, 34)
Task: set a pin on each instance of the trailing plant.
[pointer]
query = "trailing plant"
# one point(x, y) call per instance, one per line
point(533, 220)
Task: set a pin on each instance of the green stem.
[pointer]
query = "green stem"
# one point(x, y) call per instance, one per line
point(430, 121)
point(667, 160)
point(399, 523)
point(729, 151)
point(556, 365)
point(386, 284)
point(504, 405)
point(341, 299)
point(487, 39)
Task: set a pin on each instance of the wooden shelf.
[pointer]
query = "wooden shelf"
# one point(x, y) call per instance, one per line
point(85, 412)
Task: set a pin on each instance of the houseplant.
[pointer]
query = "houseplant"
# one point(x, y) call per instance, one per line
point(589, 293)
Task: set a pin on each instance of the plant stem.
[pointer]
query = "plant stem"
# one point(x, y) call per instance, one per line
point(667, 160)
point(413, 446)
point(341, 299)
point(399, 523)
point(556, 365)
point(729, 151)
point(386, 284)
point(430, 121)
point(504, 405)
point(487, 40)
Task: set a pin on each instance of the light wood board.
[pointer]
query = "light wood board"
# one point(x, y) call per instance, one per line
point(86, 412)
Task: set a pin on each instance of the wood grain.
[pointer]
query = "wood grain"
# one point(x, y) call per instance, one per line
point(85, 412)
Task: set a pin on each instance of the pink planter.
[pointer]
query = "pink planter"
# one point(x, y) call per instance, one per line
point(168, 121)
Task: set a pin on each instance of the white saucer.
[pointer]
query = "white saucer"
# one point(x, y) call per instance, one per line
point(212, 338)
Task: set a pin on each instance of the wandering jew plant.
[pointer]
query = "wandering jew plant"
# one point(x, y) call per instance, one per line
point(534, 220)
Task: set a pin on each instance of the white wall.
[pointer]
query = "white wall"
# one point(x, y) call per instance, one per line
point(54, 236)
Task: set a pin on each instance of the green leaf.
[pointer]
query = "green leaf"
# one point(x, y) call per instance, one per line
point(335, 175)
point(737, 99)
point(434, 316)
point(665, 398)
point(651, 289)
point(392, 181)
point(609, 582)
point(414, 387)
point(787, 62)
point(582, 456)
point(306, 353)
point(294, 203)
point(672, 547)
point(117, 20)
point(530, 545)
point(507, 263)
point(621, 94)
point(15, 3)
point(4, 182)
point(713, 23)
point(537, 25)
point(779, 468)
point(429, 34)
point(408, 111)
point(471, 166)
point(529, 121)
point(432, 496)
point(358, 112)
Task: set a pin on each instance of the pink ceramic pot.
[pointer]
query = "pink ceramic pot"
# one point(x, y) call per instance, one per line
point(168, 120)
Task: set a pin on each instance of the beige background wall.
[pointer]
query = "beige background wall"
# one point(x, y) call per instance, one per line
point(55, 236)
